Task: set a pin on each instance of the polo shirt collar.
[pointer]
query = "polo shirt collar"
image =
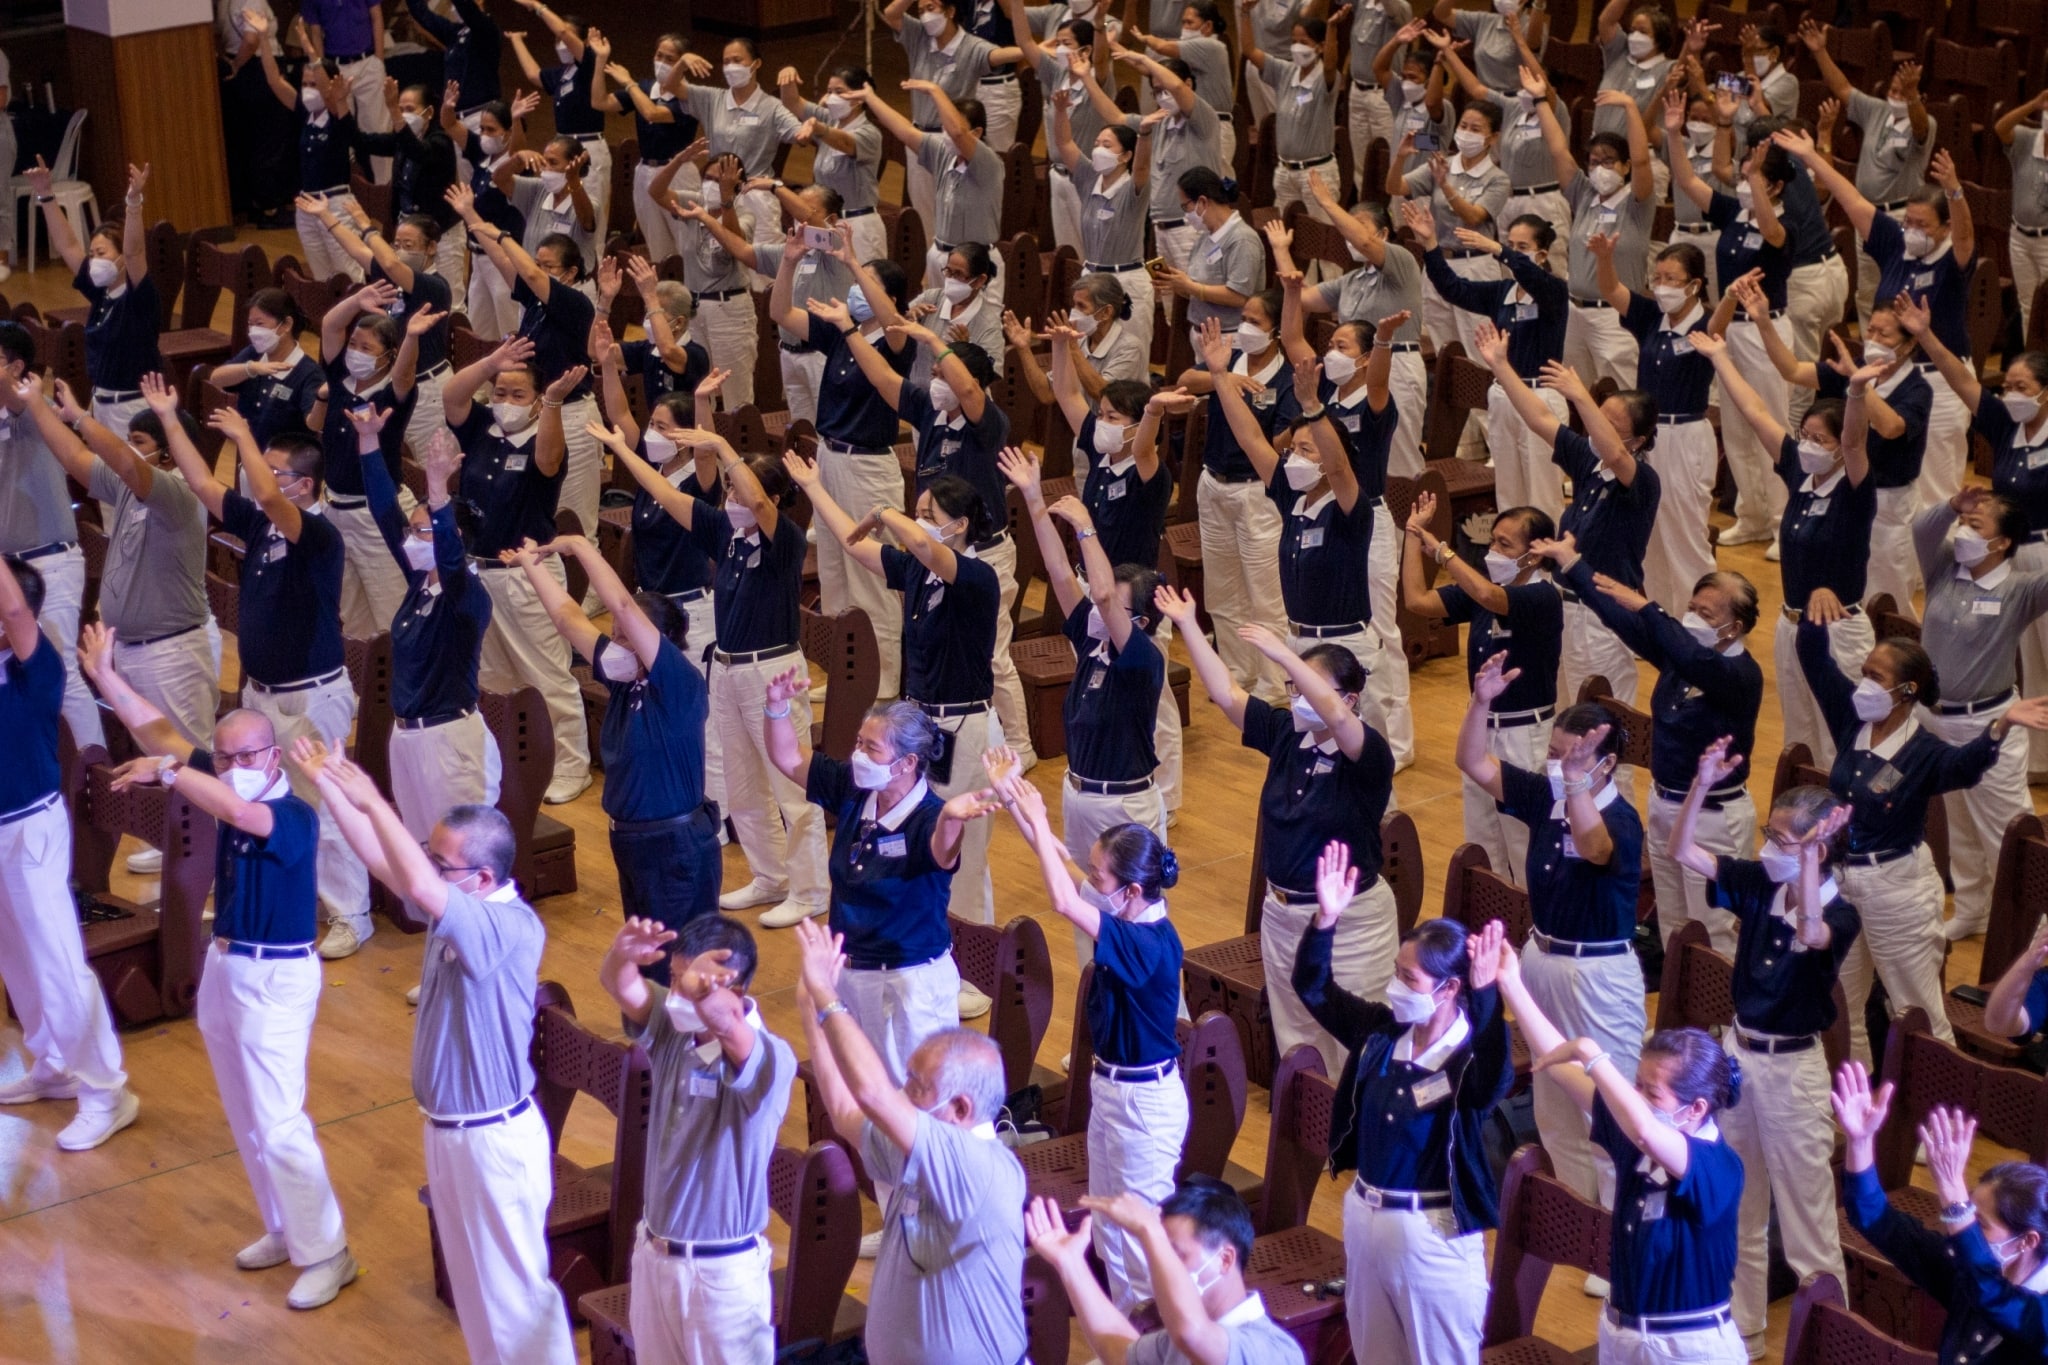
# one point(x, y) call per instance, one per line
point(1826, 486)
point(973, 306)
point(1116, 329)
point(523, 439)
point(1223, 230)
point(1781, 901)
point(732, 103)
point(1886, 387)
point(894, 817)
point(1647, 1165)
point(1437, 1053)
point(1123, 466)
point(1890, 748)
point(1991, 580)
point(1608, 795)
point(1267, 371)
point(561, 199)
point(2037, 1282)
point(1931, 257)
point(708, 1052)
point(1459, 166)
point(1309, 511)
point(1309, 76)
point(1686, 325)
point(291, 362)
point(1326, 745)
point(1151, 914)
point(986, 1131)
point(1250, 1308)
point(1614, 200)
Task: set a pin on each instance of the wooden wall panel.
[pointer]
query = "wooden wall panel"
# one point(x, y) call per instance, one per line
point(154, 99)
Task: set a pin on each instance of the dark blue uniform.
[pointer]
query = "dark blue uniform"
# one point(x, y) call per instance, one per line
point(423, 167)
point(1534, 327)
point(1611, 519)
point(1312, 795)
point(568, 86)
point(962, 447)
point(341, 461)
point(276, 407)
point(500, 474)
point(660, 142)
point(559, 330)
point(1221, 456)
point(120, 332)
point(850, 411)
point(1323, 556)
point(1673, 1236)
point(1569, 897)
point(326, 149)
point(291, 594)
point(31, 699)
point(1368, 436)
point(1937, 282)
point(263, 885)
point(2037, 1003)
point(1824, 537)
point(644, 359)
point(754, 598)
point(1742, 248)
point(889, 895)
point(2019, 463)
point(1111, 704)
point(470, 45)
point(666, 558)
point(1780, 987)
point(1129, 511)
point(429, 293)
point(1134, 997)
point(438, 635)
point(1894, 460)
point(949, 629)
point(1676, 376)
point(1532, 633)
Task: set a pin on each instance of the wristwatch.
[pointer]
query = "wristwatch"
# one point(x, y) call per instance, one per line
point(830, 1009)
point(1961, 1212)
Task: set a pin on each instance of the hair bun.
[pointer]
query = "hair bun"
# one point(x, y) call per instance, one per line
point(1734, 1082)
point(1169, 868)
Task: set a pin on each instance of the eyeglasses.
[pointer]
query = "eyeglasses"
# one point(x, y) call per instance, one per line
point(244, 758)
point(448, 871)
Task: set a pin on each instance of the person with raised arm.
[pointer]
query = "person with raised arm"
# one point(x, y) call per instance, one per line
point(1066, 67)
point(947, 66)
point(1501, 38)
point(963, 167)
point(275, 384)
point(1417, 84)
point(820, 274)
point(569, 83)
point(846, 150)
point(1466, 191)
point(472, 45)
point(489, 159)
point(670, 359)
point(325, 112)
point(1303, 80)
point(661, 125)
point(1635, 43)
point(1093, 339)
point(2019, 1002)
point(1193, 137)
point(1109, 176)
point(2027, 238)
point(962, 306)
point(1706, 143)
point(1370, 113)
point(1795, 930)
point(423, 166)
point(1583, 873)
point(1523, 152)
point(722, 300)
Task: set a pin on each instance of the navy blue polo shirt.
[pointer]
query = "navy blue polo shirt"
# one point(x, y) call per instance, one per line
point(1701, 693)
point(1780, 987)
point(568, 85)
point(429, 292)
point(1823, 538)
point(1741, 248)
point(1323, 555)
point(470, 44)
point(1403, 1145)
point(652, 740)
point(1312, 795)
point(1676, 376)
point(559, 330)
point(660, 142)
point(1936, 281)
point(1129, 511)
point(1894, 460)
point(1887, 796)
point(1221, 456)
point(437, 637)
point(2018, 470)
point(492, 203)
point(644, 359)
point(754, 595)
point(850, 410)
point(1134, 996)
point(1673, 1243)
point(1532, 633)
point(274, 407)
point(1368, 436)
point(1533, 326)
point(889, 895)
point(1612, 520)
point(2037, 1003)
point(1807, 238)
point(949, 629)
point(666, 558)
point(1570, 898)
point(263, 886)
point(1112, 703)
point(325, 151)
point(501, 475)
point(291, 594)
point(964, 448)
point(31, 699)
point(120, 332)
point(341, 460)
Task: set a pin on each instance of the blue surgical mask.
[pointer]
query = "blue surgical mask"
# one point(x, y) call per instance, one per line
point(857, 305)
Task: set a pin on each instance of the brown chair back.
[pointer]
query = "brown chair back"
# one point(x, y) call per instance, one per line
point(1401, 864)
point(1474, 894)
point(844, 647)
point(1023, 274)
point(815, 1193)
point(212, 270)
point(1298, 1143)
point(2010, 1105)
point(1459, 390)
point(1824, 1331)
point(1013, 968)
point(525, 734)
point(570, 1059)
point(1212, 1066)
point(1543, 1223)
point(1635, 725)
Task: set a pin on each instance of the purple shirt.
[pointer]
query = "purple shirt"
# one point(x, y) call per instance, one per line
point(344, 25)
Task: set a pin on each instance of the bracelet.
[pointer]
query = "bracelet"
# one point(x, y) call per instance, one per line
point(1575, 788)
point(848, 331)
point(774, 714)
point(1591, 1062)
point(832, 1008)
point(1953, 194)
point(1959, 1213)
point(550, 402)
point(46, 199)
point(1084, 534)
point(1443, 553)
point(941, 356)
point(1322, 411)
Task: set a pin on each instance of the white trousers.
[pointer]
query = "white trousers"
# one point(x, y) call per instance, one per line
point(456, 763)
point(1679, 555)
point(583, 462)
point(257, 1020)
point(1010, 709)
point(1291, 187)
point(1893, 568)
point(1387, 684)
point(451, 261)
point(1066, 207)
point(1368, 118)
point(1361, 961)
point(324, 257)
point(697, 643)
point(1002, 102)
point(1523, 475)
point(366, 90)
point(1083, 818)
point(1415, 1291)
point(1815, 296)
point(1900, 903)
point(657, 229)
point(1681, 894)
point(180, 677)
point(716, 1311)
point(491, 1189)
point(860, 484)
point(63, 601)
point(1505, 839)
point(973, 897)
point(730, 331)
point(1597, 346)
point(1144, 304)
point(1978, 814)
point(522, 648)
point(326, 713)
point(802, 375)
point(372, 584)
point(1174, 245)
point(1850, 641)
point(1408, 384)
point(898, 1009)
point(1135, 1133)
point(1590, 648)
point(1867, 273)
point(1167, 743)
point(1720, 1345)
point(1948, 445)
point(597, 183)
point(1586, 997)
point(64, 1021)
point(428, 414)
point(2029, 257)
point(1785, 1134)
point(1759, 492)
point(1241, 575)
point(782, 834)
point(1446, 323)
point(492, 314)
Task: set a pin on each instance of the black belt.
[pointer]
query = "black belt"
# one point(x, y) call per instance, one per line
point(487, 1120)
point(1877, 858)
point(487, 562)
point(302, 685)
point(342, 188)
point(1590, 303)
point(1552, 188)
point(1288, 896)
point(1096, 268)
point(984, 546)
point(848, 448)
point(2023, 230)
point(708, 811)
point(158, 639)
point(922, 129)
point(32, 808)
point(876, 964)
point(1894, 206)
point(1694, 229)
point(944, 247)
point(1009, 78)
point(346, 503)
point(2036, 537)
point(1401, 347)
point(1972, 708)
point(55, 547)
point(1306, 165)
point(1405, 1201)
point(1363, 85)
point(1462, 253)
point(1509, 720)
point(1328, 632)
point(1564, 947)
point(1058, 169)
point(1158, 1071)
point(1742, 316)
point(343, 59)
point(1669, 1322)
point(1714, 799)
point(436, 371)
point(264, 952)
point(950, 709)
point(854, 213)
point(1773, 1047)
point(1679, 419)
point(439, 718)
point(752, 656)
point(797, 348)
point(701, 1251)
point(1168, 224)
point(720, 295)
point(1095, 788)
point(115, 395)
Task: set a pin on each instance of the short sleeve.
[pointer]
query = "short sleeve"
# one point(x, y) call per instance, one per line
point(1607, 1135)
point(1525, 795)
point(1140, 652)
point(951, 1169)
point(914, 405)
point(1573, 453)
point(106, 485)
point(1712, 1183)
point(1420, 181)
point(2037, 1001)
point(1458, 604)
point(900, 568)
point(294, 830)
point(241, 517)
point(1886, 240)
point(1741, 887)
point(481, 938)
point(885, 1162)
point(830, 784)
point(1264, 723)
point(1130, 952)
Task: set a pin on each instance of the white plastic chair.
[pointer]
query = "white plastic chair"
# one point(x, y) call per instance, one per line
point(74, 197)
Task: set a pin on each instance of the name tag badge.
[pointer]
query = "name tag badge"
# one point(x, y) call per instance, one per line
point(1312, 539)
point(1753, 242)
point(2037, 458)
point(1924, 280)
point(1096, 678)
point(1104, 214)
point(1322, 765)
point(515, 463)
point(1653, 1206)
point(138, 515)
point(276, 551)
point(1884, 779)
point(893, 846)
point(754, 560)
point(938, 595)
point(702, 1086)
point(1303, 95)
point(1433, 1091)
point(425, 608)
point(1817, 508)
point(807, 268)
point(1213, 254)
point(1646, 81)
point(1986, 606)
point(1571, 850)
point(1525, 312)
point(1114, 491)
point(1680, 346)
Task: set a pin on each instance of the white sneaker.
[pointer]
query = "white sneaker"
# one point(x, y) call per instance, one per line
point(755, 892)
point(263, 1253)
point(1596, 1288)
point(29, 1089)
point(6, 271)
point(318, 1284)
point(94, 1126)
point(1771, 556)
point(1958, 929)
point(562, 795)
point(412, 997)
point(1731, 536)
point(973, 1004)
point(791, 913)
point(343, 939)
point(148, 862)
point(871, 1246)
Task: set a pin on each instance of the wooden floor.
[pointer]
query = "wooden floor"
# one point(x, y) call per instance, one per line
point(127, 1252)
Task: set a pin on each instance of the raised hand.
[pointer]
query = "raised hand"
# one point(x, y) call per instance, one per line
point(368, 419)
point(1336, 883)
point(1492, 344)
point(1584, 755)
point(1493, 678)
point(802, 472)
point(1021, 469)
point(1859, 1112)
point(823, 954)
point(1420, 515)
point(423, 322)
point(1483, 949)
point(566, 383)
point(1717, 764)
point(1045, 1228)
point(642, 942)
point(1176, 605)
point(162, 400)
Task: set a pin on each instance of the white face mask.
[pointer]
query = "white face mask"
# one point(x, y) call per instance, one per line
point(1302, 475)
point(361, 365)
point(1698, 133)
point(1760, 65)
point(1970, 548)
point(1096, 629)
point(1411, 92)
point(838, 106)
point(1409, 1005)
point(1872, 702)
point(1815, 458)
point(1359, 256)
point(1898, 107)
point(660, 449)
point(1305, 717)
point(1669, 1119)
point(493, 144)
point(1919, 242)
point(419, 554)
point(1103, 160)
point(933, 529)
point(1745, 195)
point(869, 775)
point(956, 291)
point(1606, 180)
point(416, 124)
point(1188, 35)
point(2021, 407)
point(315, 102)
point(1670, 298)
point(249, 783)
point(1338, 367)
point(711, 195)
point(943, 397)
point(1506, 8)
point(662, 71)
point(1702, 630)
point(742, 518)
point(1252, 340)
point(682, 1015)
point(1877, 353)
point(1780, 865)
point(1168, 105)
point(933, 22)
point(512, 417)
point(1553, 768)
point(1470, 144)
point(737, 75)
point(1201, 1286)
point(1109, 437)
point(565, 54)
point(1502, 568)
point(619, 664)
point(1304, 55)
point(1641, 45)
point(553, 183)
point(1081, 320)
point(263, 340)
point(2006, 1262)
point(102, 271)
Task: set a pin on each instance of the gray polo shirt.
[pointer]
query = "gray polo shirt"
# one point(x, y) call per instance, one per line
point(970, 193)
point(1118, 355)
point(1642, 82)
point(155, 577)
point(1521, 150)
point(818, 276)
point(1255, 1339)
point(35, 502)
point(474, 1032)
point(1179, 144)
point(1890, 164)
point(545, 217)
point(984, 324)
point(1367, 294)
point(751, 131)
point(1781, 94)
point(1619, 214)
point(949, 1283)
point(1273, 24)
point(2029, 178)
point(1494, 57)
point(957, 69)
point(1112, 226)
point(1081, 115)
point(1684, 212)
point(1209, 60)
point(1233, 255)
point(1972, 627)
point(707, 269)
point(1485, 184)
point(711, 1135)
point(853, 176)
point(1304, 110)
point(1372, 23)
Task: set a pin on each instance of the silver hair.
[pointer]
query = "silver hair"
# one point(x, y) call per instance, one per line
point(967, 1063)
point(487, 839)
point(1808, 805)
point(909, 730)
point(675, 299)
